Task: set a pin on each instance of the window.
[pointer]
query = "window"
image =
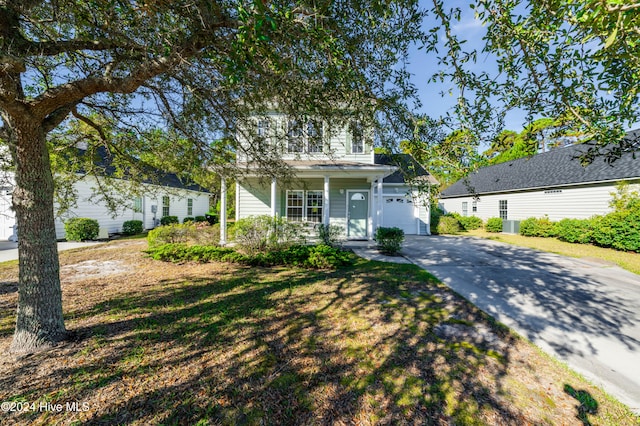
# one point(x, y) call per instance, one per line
point(314, 137)
point(503, 209)
point(314, 206)
point(305, 206)
point(357, 138)
point(137, 205)
point(295, 140)
point(295, 208)
point(263, 128)
point(465, 208)
point(189, 206)
point(474, 206)
point(165, 206)
point(304, 137)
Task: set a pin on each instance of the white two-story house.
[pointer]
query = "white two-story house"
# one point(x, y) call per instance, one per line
point(337, 180)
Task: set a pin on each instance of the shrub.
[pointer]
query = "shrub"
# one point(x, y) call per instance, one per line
point(132, 227)
point(261, 233)
point(575, 230)
point(329, 234)
point(435, 215)
point(314, 257)
point(538, 227)
point(171, 234)
point(529, 227)
point(188, 219)
point(389, 240)
point(470, 222)
point(619, 229)
point(324, 256)
point(168, 220)
point(494, 224)
point(448, 224)
point(81, 228)
point(200, 219)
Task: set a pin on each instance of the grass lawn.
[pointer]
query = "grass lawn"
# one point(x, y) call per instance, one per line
point(627, 260)
point(159, 343)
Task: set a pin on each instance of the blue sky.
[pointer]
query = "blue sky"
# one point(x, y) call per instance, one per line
point(422, 65)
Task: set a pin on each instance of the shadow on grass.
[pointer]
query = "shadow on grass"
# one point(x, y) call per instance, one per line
point(262, 346)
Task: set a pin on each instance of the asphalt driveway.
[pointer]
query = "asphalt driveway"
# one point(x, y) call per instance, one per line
point(585, 313)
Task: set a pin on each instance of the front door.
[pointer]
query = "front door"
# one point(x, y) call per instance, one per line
point(357, 214)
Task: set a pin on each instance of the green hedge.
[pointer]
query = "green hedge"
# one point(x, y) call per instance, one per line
point(469, 223)
point(575, 230)
point(132, 227)
point(494, 224)
point(448, 224)
point(538, 227)
point(313, 257)
point(168, 220)
point(81, 229)
point(389, 240)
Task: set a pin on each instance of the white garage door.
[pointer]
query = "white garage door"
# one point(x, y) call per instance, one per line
point(398, 211)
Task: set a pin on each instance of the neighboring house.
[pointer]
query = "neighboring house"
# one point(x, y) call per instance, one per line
point(552, 183)
point(338, 180)
point(170, 197)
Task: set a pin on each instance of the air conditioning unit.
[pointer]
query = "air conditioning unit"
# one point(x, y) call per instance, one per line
point(511, 226)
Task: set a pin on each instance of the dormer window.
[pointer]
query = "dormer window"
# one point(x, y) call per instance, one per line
point(357, 137)
point(304, 137)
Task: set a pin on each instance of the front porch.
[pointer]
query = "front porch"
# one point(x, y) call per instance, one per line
point(331, 194)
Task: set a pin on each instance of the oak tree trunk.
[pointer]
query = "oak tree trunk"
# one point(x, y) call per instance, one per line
point(40, 323)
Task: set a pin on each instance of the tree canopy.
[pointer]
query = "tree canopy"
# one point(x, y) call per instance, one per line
point(577, 59)
point(199, 70)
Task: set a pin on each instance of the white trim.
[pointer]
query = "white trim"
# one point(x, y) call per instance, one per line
point(274, 194)
point(369, 231)
point(223, 212)
point(237, 201)
point(326, 212)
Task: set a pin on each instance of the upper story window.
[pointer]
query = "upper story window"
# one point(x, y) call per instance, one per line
point(357, 137)
point(304, 137)
point(295, 139)
point(262, 128)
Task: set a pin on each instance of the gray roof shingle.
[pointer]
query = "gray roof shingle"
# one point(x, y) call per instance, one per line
point(558, 167)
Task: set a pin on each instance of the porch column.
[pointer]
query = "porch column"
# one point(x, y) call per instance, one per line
point(380, 179)
point(223, 212)
point(274, 189)
point(325, 204)
point(372, 210)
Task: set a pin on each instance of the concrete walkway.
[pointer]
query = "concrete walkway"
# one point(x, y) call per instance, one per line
point(9, 250)
point(583, 313)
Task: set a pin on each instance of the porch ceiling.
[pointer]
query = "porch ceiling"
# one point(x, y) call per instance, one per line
point(339, 169)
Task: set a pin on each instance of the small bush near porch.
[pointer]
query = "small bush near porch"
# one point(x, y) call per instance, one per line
point(389, 240)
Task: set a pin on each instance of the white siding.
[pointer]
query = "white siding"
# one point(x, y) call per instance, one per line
point(93, 207)
point(558, 203)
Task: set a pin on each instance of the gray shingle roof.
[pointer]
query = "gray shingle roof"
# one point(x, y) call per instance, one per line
point(558, 167)
point(408, 168)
